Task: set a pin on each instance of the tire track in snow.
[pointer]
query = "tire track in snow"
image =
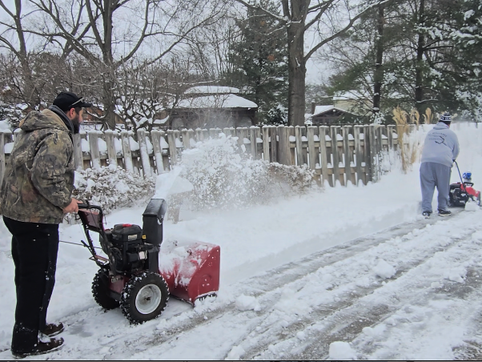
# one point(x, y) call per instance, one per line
point(268, 289)
point(365, 307)
point(267, 331)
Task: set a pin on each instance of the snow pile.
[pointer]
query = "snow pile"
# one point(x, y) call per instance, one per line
point(223, 176)
point(341, 351)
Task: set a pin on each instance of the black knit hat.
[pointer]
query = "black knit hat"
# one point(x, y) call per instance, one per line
point(68, 100)
point(445, 118)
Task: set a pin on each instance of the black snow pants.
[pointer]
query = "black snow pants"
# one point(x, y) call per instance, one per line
point(34, 252)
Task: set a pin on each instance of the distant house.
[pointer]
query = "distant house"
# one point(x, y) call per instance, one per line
point(211, 107)
point(353, 102)
point(328, 115)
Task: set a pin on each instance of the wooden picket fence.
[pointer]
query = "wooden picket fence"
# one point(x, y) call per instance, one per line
point(336, 153)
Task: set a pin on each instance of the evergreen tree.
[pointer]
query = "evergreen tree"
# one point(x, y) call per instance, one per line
point(462, 80)
point(364, 59)
point(431, 56)
point(259, 64)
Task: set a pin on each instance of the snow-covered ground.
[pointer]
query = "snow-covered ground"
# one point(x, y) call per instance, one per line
point(341, 273)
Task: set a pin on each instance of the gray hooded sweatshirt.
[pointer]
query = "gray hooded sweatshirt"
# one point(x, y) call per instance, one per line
point(441, 145)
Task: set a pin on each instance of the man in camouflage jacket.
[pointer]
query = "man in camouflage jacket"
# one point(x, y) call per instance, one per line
point(35, 195)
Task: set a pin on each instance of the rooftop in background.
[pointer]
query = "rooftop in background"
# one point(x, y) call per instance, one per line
point(328, 115)
point(324, 109)
point(212, 107)
point(211, 89)
point(217, 101)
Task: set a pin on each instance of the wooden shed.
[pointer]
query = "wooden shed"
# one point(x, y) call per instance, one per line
point(211, 107)
point(329, 114)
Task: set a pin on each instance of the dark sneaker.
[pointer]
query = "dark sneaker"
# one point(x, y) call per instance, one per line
point(426, 214)
point(53, 329)
point(444, 212)
point(41, 348)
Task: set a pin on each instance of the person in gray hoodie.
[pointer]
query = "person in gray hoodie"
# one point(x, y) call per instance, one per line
point(440, 149)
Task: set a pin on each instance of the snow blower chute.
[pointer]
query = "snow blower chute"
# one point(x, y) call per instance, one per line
point(131, 275)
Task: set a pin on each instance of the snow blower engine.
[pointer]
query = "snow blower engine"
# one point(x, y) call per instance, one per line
point(461, 192)
point(131, 277)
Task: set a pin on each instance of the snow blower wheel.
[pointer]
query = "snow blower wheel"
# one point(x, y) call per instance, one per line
point(101, 290)
point(144, 297)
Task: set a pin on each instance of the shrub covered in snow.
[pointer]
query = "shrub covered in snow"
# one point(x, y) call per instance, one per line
point(223, 175)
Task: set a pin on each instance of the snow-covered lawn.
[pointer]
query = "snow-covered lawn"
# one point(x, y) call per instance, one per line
point(340, 273)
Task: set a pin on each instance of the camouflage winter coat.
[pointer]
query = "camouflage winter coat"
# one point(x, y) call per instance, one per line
point(39, 175)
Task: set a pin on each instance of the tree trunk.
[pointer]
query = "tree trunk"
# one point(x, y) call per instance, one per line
point(296, 65)
point(378, 77)
point(109, 107)
point(30, 93)
point(110, 79)
point(419, 65)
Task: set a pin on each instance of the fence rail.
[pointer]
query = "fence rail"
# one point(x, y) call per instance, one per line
point(336, 153)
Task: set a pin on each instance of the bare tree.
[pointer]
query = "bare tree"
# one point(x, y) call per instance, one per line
point(150, 92)
point(110, 33)
point(14, 38)
point(323, 20)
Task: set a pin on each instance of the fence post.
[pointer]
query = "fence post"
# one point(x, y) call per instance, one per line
point(254, 142)
point(126, 151)
point(94, 149)
point(144, 152)
point(273, 140)
point(214, 133)
point(291, 133)
point(323, 130)
point(359, 155)
point(284, 145)
point(156, 147)
point(171, 140)
point(299, 146)
point(372, 150)
point(336, 159)
point(266, 153)
point(199, 134)
point(78, 158)
point(186, 139)
point(390, 136)
point(229, 132)
point(310, 135)
point(348, 156)
point(366, 153)
point(242, 134)
point(111, 151)
point(379, 135)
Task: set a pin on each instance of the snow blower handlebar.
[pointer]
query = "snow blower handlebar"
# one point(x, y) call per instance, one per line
point(91, 217)
point(465, 183)
point(456, 164)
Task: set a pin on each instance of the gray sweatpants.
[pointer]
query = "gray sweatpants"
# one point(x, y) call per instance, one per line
point(434, 175)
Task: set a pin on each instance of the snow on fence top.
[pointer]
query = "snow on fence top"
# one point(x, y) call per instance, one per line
point(352, 158)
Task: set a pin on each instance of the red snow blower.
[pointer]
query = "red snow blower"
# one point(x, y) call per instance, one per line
point(461, 192)
point(131, 277)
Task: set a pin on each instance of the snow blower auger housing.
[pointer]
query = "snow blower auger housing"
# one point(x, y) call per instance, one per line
point(131, 278)
point(461, 192)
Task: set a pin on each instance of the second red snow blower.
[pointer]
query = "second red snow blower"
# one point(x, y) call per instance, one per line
point(461, 192)
point(131, 277)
